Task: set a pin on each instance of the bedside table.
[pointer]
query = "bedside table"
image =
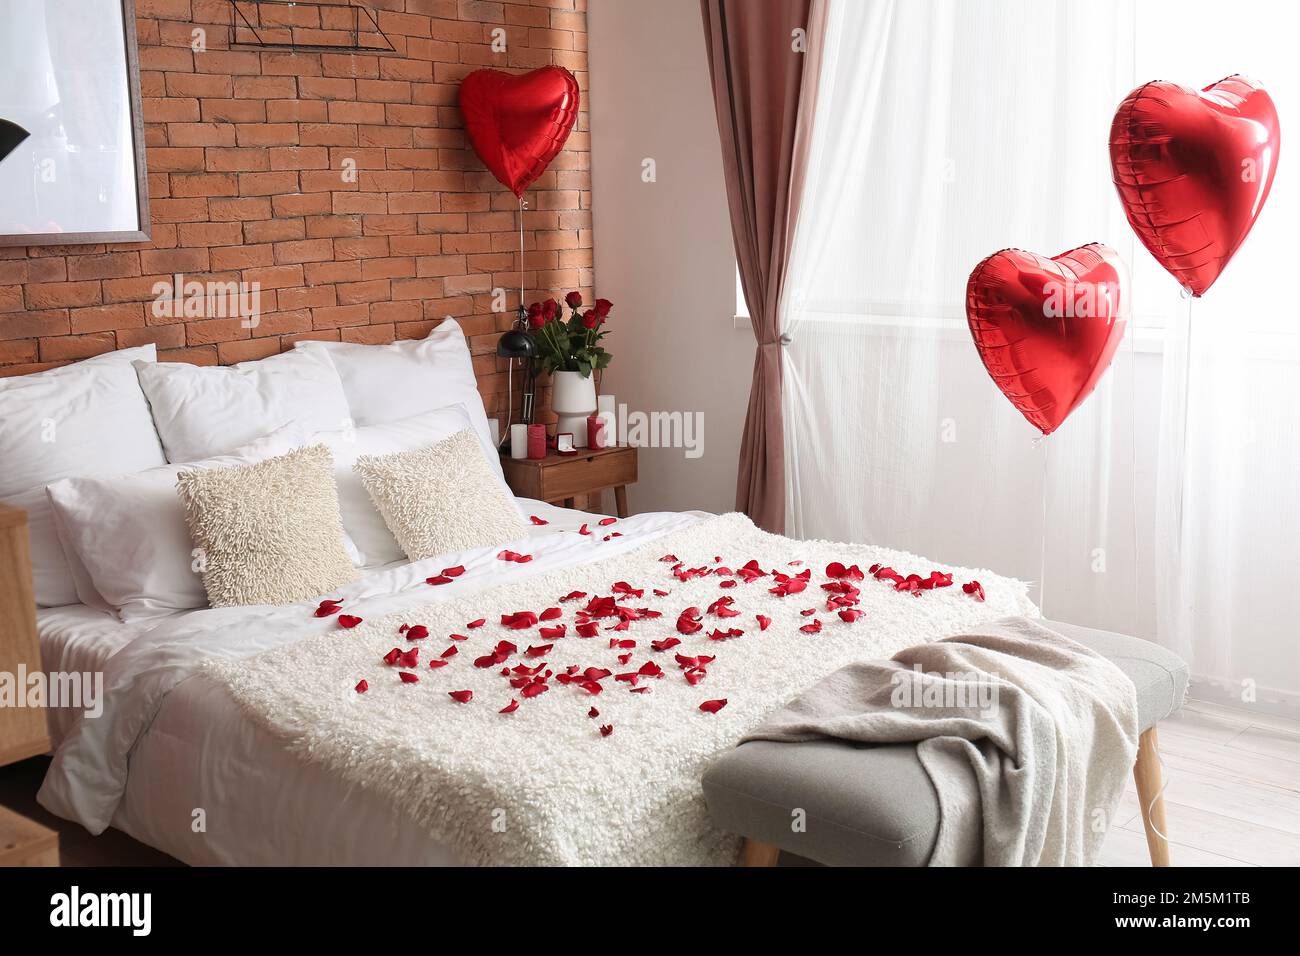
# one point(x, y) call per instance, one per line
point(559, 479)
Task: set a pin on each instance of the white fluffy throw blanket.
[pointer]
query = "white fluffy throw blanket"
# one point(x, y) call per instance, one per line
point(1019, 728)
point(549, 784)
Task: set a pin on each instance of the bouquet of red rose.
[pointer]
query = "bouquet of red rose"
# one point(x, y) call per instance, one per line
point(573, 344)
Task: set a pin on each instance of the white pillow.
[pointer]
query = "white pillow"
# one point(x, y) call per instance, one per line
point(88, 418)
point(361, 520)
point(201, 412)
point(130, 531)
point(386, 383)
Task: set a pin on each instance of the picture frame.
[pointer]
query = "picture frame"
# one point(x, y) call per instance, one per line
point(70, 81)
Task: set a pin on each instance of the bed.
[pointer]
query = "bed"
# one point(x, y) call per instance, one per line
point(606, 661)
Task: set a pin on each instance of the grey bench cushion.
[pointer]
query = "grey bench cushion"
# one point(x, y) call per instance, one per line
point(874, 805)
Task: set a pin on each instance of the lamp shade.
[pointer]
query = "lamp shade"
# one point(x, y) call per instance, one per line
point(516, 344)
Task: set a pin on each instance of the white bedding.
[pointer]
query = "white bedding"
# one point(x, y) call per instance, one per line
point(171, 743)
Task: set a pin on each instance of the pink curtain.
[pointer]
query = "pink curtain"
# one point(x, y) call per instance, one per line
point(764, 59)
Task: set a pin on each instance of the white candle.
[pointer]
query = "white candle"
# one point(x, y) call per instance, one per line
point(518, 441)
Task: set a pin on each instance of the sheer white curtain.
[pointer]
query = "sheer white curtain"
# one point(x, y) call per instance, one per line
point(1228, 518)
point(946, 131)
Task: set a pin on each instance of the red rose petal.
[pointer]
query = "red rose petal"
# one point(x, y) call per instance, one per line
point(813, 628)
point(551, 633)
point(974, 589)
point(461, 696)
point(436, 663)
point(590, 629)
point(665, 644)
point(537, 521)
point(417, 633)
point(851, 614)
point(713, 706)
point(606, 522)
point(536, 688)
point(583, 530)
point(606, 730)
point(538, 650)
point(763, 621)
point(459, 637)
point(347, 620)
point(573, 596)
point(450, 652)
point(473, 624)
point(328, 607)
point(454, 572)
point(393, 656)
point(438, 579)
point(509, 708)
point(550, 614)
point(408, 678)
point(362, 687)
point(593, 712)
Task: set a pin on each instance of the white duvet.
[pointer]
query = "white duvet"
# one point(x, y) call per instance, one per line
point(124, 752)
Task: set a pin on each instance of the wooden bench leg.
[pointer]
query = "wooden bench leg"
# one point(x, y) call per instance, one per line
point(758, 854)
point(1150, 784)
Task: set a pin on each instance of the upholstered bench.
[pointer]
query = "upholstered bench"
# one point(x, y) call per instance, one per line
point(865, 805)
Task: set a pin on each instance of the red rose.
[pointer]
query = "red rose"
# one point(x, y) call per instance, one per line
point(602, 308)
point(535, 319)
point(590, 320)
point(574, 299)
point(549, 308)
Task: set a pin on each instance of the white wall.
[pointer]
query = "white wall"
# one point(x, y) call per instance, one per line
point(664, 253)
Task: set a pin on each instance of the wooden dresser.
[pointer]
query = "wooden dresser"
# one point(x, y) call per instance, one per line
point(22, 729)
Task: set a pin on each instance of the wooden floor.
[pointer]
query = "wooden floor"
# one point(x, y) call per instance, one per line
point(1232, 795)
point(1232, 792)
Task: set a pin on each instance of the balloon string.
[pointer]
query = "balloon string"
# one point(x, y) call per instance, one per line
point(1042, 551)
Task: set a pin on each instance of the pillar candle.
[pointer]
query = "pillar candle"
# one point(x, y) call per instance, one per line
point(595, 432)
point(536, 441)
point(518, 441)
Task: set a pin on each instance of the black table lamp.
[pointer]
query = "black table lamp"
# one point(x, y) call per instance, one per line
point(518, 344)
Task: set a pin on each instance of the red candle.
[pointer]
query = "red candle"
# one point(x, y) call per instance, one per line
point(595, 432)
point(537, 441)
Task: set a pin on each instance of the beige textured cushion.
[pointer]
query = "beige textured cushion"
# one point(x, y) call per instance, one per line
point(441, 498)
point(270, 531)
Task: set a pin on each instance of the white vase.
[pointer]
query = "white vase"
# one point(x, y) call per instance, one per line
point(574, 398)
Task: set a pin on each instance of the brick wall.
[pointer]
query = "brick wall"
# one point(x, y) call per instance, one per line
point(245, 152)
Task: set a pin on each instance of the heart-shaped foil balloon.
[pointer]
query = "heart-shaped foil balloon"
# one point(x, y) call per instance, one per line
point(1193, 170)
point(1046, 329)
point(518, 124)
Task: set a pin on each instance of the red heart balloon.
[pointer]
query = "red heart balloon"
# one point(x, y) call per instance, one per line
point(518, 124)
point(1193, 171)
point(1046, 329)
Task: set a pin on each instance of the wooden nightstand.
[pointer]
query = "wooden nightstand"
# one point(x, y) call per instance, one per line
point(560, 479)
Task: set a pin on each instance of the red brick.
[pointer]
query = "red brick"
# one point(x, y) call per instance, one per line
point(62, 295)
point(107, 318)
point(72, 347)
